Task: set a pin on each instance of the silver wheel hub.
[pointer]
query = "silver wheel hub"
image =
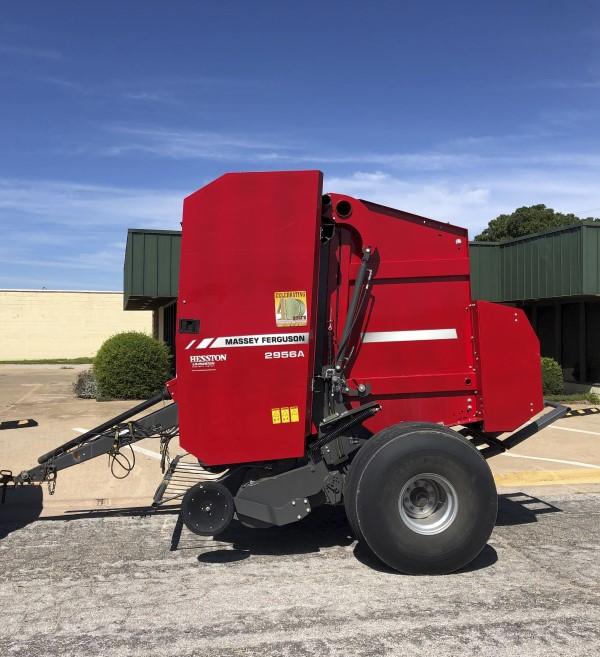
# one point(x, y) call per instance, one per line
point(428, 503)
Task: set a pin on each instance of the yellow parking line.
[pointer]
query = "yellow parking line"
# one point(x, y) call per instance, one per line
point(547, 477)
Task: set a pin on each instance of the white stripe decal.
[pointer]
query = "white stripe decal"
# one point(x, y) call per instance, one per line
point(266, 340)
point(190, 344)
point(410, 336)
point(203, 344)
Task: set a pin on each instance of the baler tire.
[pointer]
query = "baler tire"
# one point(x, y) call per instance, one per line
point(416, 469)
point(356, 468)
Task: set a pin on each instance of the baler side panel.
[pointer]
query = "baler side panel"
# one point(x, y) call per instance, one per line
point(416, 350)
point(245, 238)
point(509, 357)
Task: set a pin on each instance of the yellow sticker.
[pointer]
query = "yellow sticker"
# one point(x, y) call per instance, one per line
point(291, 308)
point(294, 414)
point(285, 415)
point(276, 416)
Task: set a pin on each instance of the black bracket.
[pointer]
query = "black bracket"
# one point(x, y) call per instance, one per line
point(498, 446)
point(189, 326)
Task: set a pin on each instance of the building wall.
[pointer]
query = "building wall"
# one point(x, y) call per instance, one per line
point(57, 324)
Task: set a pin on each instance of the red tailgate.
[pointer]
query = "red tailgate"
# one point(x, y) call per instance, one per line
point(509, 357)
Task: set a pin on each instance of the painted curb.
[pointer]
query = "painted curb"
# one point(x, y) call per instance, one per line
point(547, 477)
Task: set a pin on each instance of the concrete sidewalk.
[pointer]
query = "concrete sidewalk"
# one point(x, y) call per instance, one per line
point(566, 453)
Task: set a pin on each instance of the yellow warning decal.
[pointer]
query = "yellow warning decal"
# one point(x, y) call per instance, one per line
point(291, 308)
point(285, 415)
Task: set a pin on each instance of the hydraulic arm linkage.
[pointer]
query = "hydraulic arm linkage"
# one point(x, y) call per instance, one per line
point(110, 438)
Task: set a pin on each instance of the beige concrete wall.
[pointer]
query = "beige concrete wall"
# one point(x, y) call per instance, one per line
point(57, 324)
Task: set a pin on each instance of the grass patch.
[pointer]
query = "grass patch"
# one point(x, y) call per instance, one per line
point(49, 361)
point(589, 397)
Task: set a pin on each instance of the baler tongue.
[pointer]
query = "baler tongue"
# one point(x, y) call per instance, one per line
point(110, 438)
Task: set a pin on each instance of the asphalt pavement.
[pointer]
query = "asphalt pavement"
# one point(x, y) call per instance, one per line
point(123, 584)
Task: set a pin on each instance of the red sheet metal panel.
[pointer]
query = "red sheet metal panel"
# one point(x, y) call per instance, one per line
point(249, 274)
point(509, 356)
point(249, 286)
point(417, 347)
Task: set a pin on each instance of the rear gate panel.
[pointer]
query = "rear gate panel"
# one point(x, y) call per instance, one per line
point(509, 357)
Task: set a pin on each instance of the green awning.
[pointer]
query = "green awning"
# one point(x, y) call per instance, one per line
point(559, 263)
point(151, 270)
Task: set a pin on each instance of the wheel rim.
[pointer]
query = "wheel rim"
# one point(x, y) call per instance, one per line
point(428, 503)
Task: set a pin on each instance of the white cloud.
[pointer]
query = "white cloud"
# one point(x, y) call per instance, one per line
point(61, 234)
point(184, 144)
point(472, 200)
point(74, 204)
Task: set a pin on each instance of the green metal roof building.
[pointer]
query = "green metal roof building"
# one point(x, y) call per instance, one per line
point(151, 277)
point(554, 276)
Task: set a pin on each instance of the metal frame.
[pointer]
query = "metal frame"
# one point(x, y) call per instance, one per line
point(496, 446)
point(107, 438)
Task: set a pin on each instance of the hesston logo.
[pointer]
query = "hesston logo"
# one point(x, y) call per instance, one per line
point(207, 361)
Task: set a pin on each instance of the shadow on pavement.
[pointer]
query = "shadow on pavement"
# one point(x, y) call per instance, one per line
point(486, 558)
point(521, 509)
point(325, 527)
point(328, 527)
point(22, 506)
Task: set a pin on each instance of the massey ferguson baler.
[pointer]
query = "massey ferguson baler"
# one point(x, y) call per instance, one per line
point(329, 352)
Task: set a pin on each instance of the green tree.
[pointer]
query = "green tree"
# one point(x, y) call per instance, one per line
point(526, 221)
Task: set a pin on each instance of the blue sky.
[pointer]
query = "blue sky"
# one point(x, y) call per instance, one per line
point(111, 112)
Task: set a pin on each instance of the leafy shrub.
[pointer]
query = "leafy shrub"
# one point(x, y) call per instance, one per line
point(131, 365)
point(592, 398)
point(85, 385)
point(552, 377)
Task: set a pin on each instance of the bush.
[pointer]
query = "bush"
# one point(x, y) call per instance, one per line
point(552, 377)
point(85, 385)
point(131, 365)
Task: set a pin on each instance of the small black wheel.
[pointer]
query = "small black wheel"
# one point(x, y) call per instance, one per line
point(423, 498)
point(207, 508)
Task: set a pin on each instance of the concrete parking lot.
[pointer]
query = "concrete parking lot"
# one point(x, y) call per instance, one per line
point(97, 574)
